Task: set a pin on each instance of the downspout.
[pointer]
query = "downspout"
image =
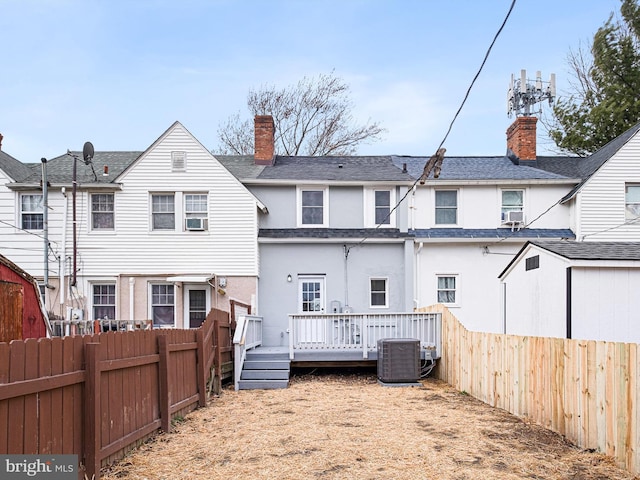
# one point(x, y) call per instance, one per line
point(132, 283)
point(45, 222)
point(74, 194)
point(416, 288)
point(346, 275)
point(568, 300)
point(63, 256)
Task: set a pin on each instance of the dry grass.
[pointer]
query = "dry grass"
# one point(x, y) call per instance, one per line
point(347, 426)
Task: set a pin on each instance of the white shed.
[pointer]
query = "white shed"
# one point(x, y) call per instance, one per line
point(581, 290)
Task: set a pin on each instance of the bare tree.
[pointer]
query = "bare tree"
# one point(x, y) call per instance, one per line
point(311, 118)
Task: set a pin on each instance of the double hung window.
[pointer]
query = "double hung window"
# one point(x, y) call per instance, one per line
point(632, 203)
point(163, 305)
point(163, 216)
point(31, 212)
point(378, 292)
point(312, 210)
point(104, 301)
point(446, 207)
point(512, 201)
point(102, 211)
point(446, 292)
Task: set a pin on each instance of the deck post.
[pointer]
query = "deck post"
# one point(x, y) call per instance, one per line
point(364, 337)
point(291, 335)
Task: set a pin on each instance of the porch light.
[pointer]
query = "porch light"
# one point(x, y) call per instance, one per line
point(289, 278)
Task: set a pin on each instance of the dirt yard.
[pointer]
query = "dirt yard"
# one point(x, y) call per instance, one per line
point(347, 426)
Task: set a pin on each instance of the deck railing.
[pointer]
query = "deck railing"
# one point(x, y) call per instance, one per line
point(248, 335)
point(63, 328)
point(360, 331)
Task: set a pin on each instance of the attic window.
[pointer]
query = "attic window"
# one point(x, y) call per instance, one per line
point(178, 161)
point(532, 263)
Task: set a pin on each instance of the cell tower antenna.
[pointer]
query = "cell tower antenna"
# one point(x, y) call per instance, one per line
point(524, 94)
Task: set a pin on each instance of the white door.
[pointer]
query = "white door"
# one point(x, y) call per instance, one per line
point(196, 305)
point(311, 300)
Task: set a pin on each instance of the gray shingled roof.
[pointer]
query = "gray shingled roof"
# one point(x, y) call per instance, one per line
point(341, 169)
point(592, 250)
point(478, 168)
point(492, 233)
point(60, 169)
point(355, 233)
point(566, 166)
point(14, 168)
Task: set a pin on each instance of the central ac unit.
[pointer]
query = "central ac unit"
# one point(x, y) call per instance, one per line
point(196, 223)
point(398, 360)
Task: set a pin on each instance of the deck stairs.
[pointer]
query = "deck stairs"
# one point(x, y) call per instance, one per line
point(265, 369)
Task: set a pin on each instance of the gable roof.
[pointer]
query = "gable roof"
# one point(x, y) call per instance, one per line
point(572, 250)
point(593, 250)
point(14, 168)
point(586, 167)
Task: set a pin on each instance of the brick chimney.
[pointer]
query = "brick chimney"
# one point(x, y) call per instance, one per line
point(521, 138)
point(264, 140)
point(1, 137)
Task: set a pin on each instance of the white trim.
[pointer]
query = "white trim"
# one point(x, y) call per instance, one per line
point(190, 278)
point(150, 285)
point(386, 292)
point(458, 221)
point(501, 205)
point(456, 290)
point(370, 206)
point(321, 279)
point(185, 301)
point(325, 205)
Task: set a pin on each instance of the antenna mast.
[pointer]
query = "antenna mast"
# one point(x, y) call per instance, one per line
point(524, 94)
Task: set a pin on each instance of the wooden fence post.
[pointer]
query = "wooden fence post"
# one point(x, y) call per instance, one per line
point(92, 437)
point(163, 382)
point(201, 369)
point(217, 357)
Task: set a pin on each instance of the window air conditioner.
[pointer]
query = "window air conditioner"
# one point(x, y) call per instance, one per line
point(515, 217)
point(196, 223)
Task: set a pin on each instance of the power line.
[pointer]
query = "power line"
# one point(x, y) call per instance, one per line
point(466, 96)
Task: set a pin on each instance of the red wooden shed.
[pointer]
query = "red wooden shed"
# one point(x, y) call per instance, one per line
point(22, 315)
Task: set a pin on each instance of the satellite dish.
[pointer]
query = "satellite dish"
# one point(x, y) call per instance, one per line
point(87, 152)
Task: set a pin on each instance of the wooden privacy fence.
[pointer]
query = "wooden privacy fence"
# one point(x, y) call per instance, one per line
point(584, 390)
point(98, 396)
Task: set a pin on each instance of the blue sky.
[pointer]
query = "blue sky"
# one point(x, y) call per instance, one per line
point(119, 73)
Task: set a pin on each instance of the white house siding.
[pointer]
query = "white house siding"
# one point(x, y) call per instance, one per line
point(605, 304)
point(602, 199)
point(536, 299)
point(228, 247)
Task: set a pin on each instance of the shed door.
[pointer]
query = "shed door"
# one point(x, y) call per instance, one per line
point(11, 310)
